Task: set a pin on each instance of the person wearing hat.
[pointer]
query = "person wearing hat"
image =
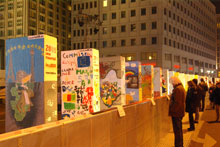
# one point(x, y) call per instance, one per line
point(177, 109)
point(216, 95)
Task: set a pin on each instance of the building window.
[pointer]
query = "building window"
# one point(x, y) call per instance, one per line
point(123, 14)
point(105, 3)
point(133, 27)
point(123, 42)
point(191, 61)
point(154, 25)
point(196, 63)
point(165, 41)
point(123, 28)
point(104, 44)
point(113, 15)
point(113, 29)
point(165, 26)
point(104, 16)
point(148, 56)
point(123, 1)
point(154, 40)
point(143, 41)
point(177, 59)
point(133, 13)
point(105, 30)
point(133, 42)
point(113, 2)
point(143, 11)
point(154, 10)
point(184, 60)
point(143, 26)
point(129, 57)
point(168, 57)
point(113, 43)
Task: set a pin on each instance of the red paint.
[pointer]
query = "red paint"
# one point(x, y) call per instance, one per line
point(190, 68)
point(153, 63)
point(176, 66)
point(88, 98)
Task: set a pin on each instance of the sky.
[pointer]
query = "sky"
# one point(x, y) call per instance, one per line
point(217, 4)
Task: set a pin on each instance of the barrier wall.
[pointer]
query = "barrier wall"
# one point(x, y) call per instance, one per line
point(143, 125)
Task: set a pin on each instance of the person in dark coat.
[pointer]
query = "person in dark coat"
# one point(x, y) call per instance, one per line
point(203, 92)
point(177, 109)
point(198, 99)
point(211, 97)
point(216, 94)
point(190, 103)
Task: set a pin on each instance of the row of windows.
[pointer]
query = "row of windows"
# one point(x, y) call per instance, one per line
point(199, 9)
point(122, 28)
point(187, 36)
point(168, 57)
point(11, 32)
point(187, 48)
point(87, 5)
point(191, 26)
point(123, 42)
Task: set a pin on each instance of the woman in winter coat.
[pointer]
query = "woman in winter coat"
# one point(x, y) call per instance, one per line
point(191, 103)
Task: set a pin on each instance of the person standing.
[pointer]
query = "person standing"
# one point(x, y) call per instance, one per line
point(216, 95)
point(198, 97)
point(190, 103)
point(177, 109)
point(203, 92)
point(211, 97)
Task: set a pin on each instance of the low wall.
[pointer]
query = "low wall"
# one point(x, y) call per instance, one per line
point(143, 125)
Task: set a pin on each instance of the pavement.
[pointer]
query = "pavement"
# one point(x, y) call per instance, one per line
point(206, 133)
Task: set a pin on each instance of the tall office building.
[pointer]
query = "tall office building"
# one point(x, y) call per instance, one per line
point(31, 17)
point(173, 34)
point(218, 44)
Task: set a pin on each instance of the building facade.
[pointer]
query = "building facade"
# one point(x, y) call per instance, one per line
point(2, 51)
point(172, 34)
point(218, 44)
point(20, 18)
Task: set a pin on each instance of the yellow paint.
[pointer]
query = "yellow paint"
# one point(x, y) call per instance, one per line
point(50, 58)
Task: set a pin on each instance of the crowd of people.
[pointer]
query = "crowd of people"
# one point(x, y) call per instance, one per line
point(191, 101)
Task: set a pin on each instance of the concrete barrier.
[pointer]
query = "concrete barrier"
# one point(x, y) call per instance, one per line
point(143, 125)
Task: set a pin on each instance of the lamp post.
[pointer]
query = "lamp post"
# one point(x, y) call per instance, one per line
point(88, 20)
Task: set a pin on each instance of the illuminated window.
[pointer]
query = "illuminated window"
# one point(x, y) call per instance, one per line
point(129, 57)
point(105, 3)
point(148, 56)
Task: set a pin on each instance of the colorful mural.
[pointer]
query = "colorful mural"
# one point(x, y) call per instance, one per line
point(147, 74)
point(112, 83)
point(25, 103)
point(157, 82)
point(132, 79)
point(80, 82)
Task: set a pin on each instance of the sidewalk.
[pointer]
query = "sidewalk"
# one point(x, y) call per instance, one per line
point(206, 134)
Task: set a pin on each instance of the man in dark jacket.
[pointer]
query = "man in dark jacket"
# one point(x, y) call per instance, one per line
point(177, 109)
point(216, 95)
point(190, 103)
point(198, 98)
point(203, 92)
